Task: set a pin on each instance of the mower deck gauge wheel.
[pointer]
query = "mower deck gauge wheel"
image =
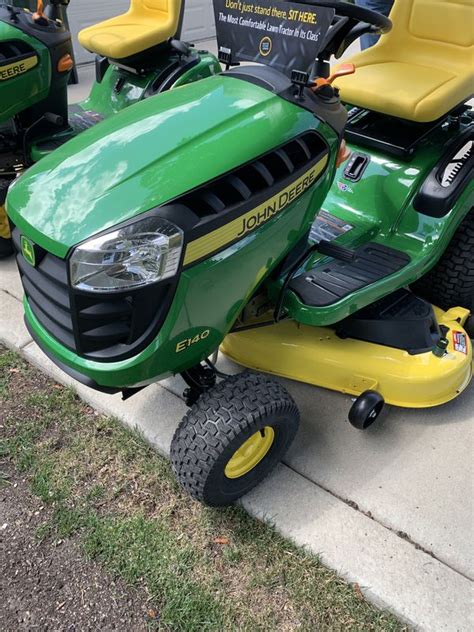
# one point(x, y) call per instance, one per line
point(366, 409)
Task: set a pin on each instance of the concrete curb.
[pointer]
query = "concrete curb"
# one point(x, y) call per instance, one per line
point(391, 571)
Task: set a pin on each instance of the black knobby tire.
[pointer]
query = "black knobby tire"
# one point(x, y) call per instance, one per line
point(469, 326)
point(219, 423)
point(4, 184)
point(451, 282)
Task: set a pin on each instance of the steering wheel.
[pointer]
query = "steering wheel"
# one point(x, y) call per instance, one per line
point(349, 23)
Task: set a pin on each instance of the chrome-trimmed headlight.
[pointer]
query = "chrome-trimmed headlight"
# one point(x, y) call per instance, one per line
point(138, 254)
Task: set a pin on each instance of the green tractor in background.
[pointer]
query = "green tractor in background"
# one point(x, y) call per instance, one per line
point(138, 55)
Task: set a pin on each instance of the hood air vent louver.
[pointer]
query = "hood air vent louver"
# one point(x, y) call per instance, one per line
point(14, 49)
point(253, 179)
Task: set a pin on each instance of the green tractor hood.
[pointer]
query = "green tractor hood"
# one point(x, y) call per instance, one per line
point(147, 155)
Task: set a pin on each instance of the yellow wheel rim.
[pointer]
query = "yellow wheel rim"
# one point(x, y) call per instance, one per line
point(250, 453)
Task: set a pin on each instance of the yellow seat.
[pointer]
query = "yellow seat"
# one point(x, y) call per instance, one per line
point(146, 24)
point(423, 68)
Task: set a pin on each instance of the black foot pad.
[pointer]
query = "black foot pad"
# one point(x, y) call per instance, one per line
point(329, 283)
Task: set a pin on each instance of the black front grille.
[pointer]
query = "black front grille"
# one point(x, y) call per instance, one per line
point(47, 290)
point(99, 326)
point(103, 323)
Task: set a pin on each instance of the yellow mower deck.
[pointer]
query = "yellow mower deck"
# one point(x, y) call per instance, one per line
point(316, 355)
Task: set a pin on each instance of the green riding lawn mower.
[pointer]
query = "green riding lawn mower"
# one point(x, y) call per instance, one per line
point(138, 55)
point(230, 213)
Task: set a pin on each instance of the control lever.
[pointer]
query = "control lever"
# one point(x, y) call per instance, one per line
point(342, 71)
point(39, 16)
point(55, 119)
point(182, 48)
point(330, 249)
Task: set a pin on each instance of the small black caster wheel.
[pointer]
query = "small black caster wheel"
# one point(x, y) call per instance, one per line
point(366, 409)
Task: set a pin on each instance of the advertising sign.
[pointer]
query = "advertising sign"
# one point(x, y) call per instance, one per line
point(285, 35)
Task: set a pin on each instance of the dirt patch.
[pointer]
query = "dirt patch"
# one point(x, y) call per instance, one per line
point(49, 585)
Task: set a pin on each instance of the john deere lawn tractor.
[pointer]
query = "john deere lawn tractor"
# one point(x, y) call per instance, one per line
point(401, 210)
point(137, 55)
point(229, 213)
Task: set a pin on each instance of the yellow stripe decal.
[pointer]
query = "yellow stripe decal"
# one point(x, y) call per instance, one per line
point(246, 223)
point(17, 68)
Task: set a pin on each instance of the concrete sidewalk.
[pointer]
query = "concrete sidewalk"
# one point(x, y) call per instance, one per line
point(390, 508)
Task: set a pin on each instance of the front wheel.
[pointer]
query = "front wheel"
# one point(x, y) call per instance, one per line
point(232, 438)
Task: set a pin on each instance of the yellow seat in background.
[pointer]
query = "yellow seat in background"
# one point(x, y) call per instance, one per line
point(146, 24)
point(422, 68)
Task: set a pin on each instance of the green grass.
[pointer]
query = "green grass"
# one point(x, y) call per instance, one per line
point(203, 569)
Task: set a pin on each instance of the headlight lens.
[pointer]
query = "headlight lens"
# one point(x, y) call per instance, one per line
point(141, 253)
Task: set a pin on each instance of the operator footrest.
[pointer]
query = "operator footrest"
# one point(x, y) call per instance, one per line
point(330, 282)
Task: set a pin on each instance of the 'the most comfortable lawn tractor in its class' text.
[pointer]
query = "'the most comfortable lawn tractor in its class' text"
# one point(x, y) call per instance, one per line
point(137, 56)
point(187, 223)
